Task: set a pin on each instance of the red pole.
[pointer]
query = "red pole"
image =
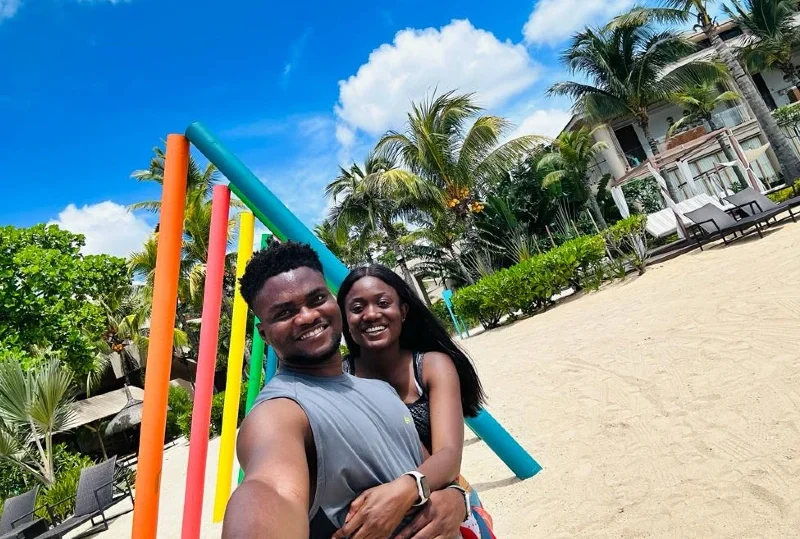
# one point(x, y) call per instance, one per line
point(162, 328)
point(207, 359)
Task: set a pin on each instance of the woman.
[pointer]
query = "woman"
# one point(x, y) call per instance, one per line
point(392, 336)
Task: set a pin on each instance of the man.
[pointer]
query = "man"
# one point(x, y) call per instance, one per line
point(316, 438)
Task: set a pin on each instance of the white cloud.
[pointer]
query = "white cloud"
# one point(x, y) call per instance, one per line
point(458, 56)
point(554, 20)
point(344, 135)
point(8, 8)
point(547, 122)
point(109, 228)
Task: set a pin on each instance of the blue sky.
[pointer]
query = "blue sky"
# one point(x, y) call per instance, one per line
point(89, 87)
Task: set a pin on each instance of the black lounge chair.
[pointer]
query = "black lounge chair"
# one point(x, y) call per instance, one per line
point(18, 516)
point(753, 203)
point(96, 493)
point(713, 223)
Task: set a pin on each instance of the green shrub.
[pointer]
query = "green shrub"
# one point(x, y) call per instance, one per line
point(180, 404)
point(217, 406)
point(65, 488)
point(784, 194)
point(67, 466)
point(530, 285)
point(628, 238)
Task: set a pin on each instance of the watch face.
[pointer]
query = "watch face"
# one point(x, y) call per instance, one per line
point(426, 490)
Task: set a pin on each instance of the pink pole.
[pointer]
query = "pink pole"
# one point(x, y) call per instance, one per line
point(207, 359)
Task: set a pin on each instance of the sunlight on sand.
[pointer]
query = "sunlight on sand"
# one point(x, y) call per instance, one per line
point(661, 406)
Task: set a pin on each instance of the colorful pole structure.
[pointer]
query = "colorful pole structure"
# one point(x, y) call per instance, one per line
point(233, 383)
point(272, 365)
point(258, 197)
point(256, 360)
point(162, 329)
point(503, 444)
point(206, 362)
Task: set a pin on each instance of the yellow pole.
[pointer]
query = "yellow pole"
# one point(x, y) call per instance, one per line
point(233, 382)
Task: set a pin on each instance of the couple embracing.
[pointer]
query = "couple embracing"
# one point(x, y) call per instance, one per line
point(328, 449)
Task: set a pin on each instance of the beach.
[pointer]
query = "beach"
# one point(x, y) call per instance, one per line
point(666, 405)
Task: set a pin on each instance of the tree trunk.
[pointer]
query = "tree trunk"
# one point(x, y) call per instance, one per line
point(391, 235)
point(461, 266)
point(673, 193)
point(786, 157)
point(729, 155)
point(594, 207)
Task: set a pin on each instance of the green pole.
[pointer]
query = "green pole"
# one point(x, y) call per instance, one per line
point(256, 360)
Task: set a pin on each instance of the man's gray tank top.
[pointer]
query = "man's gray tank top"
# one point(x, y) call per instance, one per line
point(363, 434)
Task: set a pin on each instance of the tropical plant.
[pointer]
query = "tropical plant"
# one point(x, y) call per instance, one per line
point(353, 247)
point(437, 239)
point(630, 67)
point(53, 302)
point(772, 35)
point(683, 11)
point(698, 102)
point(629, 239)
point(440, 145)
point(375, 197)
point(572, 154)
point(34, 405)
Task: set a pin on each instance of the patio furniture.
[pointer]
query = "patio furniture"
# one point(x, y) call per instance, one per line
point(662, 223)
point(754, 203)
point(713, 223)
point(96, 493)
point(18, 516)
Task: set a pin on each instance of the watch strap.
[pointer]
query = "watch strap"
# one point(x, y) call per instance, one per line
point(467, 505)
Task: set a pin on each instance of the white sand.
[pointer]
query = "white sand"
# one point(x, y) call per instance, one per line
point(662, 406)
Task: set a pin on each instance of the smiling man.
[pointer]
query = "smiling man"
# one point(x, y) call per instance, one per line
point(316, 438)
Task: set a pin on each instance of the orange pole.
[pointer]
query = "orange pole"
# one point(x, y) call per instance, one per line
point(162, 325)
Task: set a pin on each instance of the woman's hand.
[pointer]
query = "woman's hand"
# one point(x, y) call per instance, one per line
point(377, 512)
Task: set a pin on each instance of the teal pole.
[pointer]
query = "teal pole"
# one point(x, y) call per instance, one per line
point(272, 364)
point(503, 444)
point(263, 202)
point(262, 199)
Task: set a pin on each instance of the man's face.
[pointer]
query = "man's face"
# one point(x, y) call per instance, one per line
point(299, 317)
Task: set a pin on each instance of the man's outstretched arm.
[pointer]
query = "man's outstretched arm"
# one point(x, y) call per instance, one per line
point(273, 500)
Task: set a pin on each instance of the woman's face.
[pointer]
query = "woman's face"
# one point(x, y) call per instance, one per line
point(374, 313)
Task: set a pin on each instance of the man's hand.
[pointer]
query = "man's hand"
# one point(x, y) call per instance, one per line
point(440, 518)
point(377, 512)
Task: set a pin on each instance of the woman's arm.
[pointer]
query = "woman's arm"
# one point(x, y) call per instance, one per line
point(377, 512)
point(441, 381)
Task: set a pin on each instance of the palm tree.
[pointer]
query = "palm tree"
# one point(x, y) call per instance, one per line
point(572, 155)
point(630, 67)
point(34, 405)
point(461, 159)
point(441, 231)
point(374, 197)
point(698, 102)
point(772, 35)
point(681, 12)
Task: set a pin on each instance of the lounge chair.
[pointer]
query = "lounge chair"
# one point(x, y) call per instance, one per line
point(711, 223)
point(18, 516)
point(96, 493)
point(754, 203)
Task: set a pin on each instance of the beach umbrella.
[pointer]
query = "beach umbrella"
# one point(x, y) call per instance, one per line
point(662, 184)
point(130, 415)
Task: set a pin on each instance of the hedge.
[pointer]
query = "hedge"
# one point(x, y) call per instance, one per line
point(530, 285)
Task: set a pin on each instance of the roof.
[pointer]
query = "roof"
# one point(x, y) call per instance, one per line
point(101, 406)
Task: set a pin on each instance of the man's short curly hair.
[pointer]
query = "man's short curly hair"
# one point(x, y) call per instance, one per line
point(273, 261)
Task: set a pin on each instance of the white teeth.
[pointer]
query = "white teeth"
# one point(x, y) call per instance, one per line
point(312, 333)
point(374, 329)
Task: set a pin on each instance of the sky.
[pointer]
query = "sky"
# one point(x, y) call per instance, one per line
point(89, 87)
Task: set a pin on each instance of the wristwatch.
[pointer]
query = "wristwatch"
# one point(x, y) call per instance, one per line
point(466, 500)
point(423, 489)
